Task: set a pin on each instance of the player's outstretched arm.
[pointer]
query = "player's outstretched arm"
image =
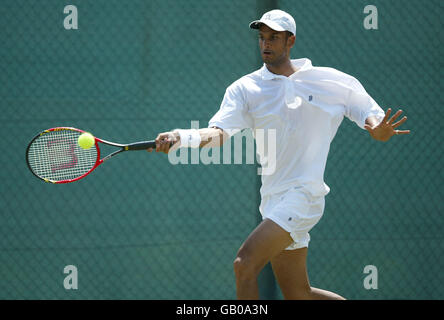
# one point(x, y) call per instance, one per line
point(386, 129)
point(210, 137)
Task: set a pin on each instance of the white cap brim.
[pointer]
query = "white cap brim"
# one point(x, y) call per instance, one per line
point(271, 24)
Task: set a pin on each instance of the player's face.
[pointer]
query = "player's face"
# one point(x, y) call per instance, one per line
point(274, 45)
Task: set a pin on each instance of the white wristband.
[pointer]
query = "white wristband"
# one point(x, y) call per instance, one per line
point(189, 138)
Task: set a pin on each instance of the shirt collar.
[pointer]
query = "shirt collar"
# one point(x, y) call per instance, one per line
point(302, 64)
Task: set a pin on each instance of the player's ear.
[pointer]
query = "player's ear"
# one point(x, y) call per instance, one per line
point(291, 41)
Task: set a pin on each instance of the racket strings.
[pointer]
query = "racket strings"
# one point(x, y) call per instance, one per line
point(56, 156)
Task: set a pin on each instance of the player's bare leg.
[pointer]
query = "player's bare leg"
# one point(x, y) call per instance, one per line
point(290, 270)
point(265, 242)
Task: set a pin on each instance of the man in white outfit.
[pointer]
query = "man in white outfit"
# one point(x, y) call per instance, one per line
point(302, 106)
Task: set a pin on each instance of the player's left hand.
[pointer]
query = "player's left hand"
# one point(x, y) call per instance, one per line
point(386, 128)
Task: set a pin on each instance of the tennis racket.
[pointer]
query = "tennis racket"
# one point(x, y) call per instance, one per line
point(54, 155)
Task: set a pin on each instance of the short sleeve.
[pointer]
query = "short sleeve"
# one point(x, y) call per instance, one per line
point(360, 105)
point(233, 113)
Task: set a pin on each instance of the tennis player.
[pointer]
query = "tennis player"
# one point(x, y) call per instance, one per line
point(304, 106)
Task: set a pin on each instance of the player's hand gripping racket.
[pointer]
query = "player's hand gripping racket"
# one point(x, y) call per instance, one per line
point(55, 156)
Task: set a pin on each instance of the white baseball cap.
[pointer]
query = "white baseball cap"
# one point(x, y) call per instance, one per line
point(277, 20)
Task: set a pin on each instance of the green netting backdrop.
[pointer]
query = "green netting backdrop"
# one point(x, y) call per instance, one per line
point(142, 228)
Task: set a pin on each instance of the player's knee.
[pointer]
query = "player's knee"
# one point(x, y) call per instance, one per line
point(245, 268)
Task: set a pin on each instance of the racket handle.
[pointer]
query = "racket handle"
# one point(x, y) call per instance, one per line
point(143, 145)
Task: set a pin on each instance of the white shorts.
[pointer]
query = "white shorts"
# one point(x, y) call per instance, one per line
point(294, 210)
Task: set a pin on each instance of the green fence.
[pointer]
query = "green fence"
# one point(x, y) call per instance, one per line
point(142, 228)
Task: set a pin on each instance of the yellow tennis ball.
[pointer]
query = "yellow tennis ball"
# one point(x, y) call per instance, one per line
point(86, 140)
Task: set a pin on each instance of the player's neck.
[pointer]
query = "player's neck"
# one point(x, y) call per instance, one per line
point(284, 69)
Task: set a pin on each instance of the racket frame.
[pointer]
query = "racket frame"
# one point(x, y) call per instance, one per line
point(143, 145)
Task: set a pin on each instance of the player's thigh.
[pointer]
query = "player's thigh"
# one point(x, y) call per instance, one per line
point(266, 241)
point(290, 270)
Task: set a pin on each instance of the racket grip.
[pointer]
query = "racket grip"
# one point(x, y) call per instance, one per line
point(143, 145)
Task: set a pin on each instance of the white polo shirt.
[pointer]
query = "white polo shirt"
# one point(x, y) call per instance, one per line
point(304, 111)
